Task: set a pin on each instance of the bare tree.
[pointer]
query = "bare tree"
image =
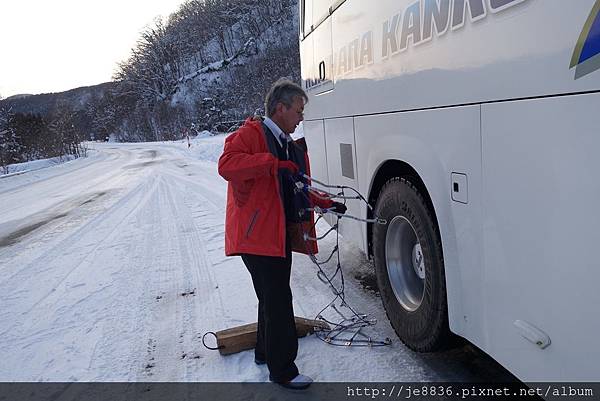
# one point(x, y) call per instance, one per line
point(154, 66)
point(205, 49)
point(66, 137)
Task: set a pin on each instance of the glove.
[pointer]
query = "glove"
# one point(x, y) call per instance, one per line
point(288, 167)
point(338, 207)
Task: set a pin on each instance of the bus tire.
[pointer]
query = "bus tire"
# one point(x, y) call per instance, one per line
point(409, 266)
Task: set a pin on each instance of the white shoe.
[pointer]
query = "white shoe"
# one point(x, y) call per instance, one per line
point(299, 382)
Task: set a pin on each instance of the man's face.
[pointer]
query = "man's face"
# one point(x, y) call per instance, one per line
point(291, 116)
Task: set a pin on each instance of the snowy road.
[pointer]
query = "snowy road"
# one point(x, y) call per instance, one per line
point(112, 267)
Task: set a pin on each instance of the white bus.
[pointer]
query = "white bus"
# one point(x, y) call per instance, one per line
point(473, 126)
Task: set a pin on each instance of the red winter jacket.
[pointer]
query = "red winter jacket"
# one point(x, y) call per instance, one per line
point(255, 221)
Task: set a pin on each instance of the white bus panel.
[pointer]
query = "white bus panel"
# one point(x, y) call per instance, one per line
point(472, 126)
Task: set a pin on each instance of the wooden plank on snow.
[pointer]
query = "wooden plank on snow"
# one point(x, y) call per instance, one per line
point(242, 338)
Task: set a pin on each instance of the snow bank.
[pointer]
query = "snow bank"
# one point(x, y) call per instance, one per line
point(205, 146)
point(19, 168)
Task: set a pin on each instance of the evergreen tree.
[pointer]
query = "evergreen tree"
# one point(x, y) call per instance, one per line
point(10, 145)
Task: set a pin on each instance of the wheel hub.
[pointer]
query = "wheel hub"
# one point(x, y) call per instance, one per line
point(418, 262)
point(405, 263)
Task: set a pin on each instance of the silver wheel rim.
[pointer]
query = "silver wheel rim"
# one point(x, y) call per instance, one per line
point(405, 263)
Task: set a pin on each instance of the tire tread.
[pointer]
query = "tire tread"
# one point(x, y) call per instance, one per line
point(443, 337)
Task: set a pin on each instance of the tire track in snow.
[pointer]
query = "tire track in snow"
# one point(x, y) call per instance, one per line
point(118, 354)
point(199, 272)
point(57, 205)
point(223, 308)
point(163, 321)
point(48, 187)
point(49, 279)
point(166, 237)
point(142, 270)
point(172, 326)
point(81, 230)
point(75, 315)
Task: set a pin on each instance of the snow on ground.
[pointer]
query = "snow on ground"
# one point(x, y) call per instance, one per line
point(112, 268)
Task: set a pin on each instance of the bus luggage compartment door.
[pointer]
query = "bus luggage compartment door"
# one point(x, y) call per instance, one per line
point(540, 231)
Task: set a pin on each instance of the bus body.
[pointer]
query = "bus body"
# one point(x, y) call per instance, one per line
point(490, 111)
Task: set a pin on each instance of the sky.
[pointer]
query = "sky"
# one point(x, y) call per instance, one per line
point(56, 45)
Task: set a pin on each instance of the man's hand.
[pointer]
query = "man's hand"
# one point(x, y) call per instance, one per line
point(338, 207)
point(288, 167)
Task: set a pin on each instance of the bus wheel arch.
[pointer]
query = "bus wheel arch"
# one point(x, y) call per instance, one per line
point(408, 258)
point(389, 170)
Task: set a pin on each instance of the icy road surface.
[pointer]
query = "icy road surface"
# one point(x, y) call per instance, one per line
point(112, 267)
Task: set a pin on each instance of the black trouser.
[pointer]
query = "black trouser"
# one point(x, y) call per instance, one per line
point(276, 341)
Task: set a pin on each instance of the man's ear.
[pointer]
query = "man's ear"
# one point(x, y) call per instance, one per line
point(280, 108)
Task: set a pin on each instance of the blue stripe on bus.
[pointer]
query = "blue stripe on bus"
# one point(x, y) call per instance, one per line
point(591, 46)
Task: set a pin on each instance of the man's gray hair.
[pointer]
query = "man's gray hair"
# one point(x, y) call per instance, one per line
point(283, 91)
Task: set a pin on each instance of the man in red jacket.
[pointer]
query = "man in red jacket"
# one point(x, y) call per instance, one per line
point(265, 221)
